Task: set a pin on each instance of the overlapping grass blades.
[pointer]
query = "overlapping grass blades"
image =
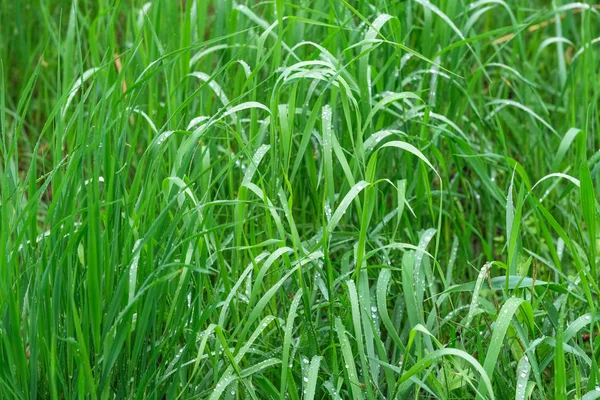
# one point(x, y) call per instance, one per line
point(313, 199)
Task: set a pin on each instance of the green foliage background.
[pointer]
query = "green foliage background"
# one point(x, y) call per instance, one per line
point(313, 199)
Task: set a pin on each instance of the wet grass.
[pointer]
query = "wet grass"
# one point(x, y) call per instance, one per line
point(313, 199)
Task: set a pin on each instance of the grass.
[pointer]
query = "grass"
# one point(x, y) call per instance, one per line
point(303, 200)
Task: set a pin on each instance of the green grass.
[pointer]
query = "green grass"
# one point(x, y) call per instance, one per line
point(304, 200)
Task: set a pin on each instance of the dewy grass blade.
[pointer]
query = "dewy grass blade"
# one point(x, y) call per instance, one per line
point(501, 326)
point(359, 336)
point(311, 380)
point(287, 341)
point(345, 204)
point(352, 384)
point(523, 370)
point(382, 288)
point(560, 373)
point(481, 277)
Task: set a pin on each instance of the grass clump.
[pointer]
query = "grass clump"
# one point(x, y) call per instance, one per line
point(305, 200)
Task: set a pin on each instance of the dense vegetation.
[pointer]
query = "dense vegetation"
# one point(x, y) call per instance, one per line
point(311, 199)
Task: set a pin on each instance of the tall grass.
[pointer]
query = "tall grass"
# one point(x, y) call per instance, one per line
point(313, 199)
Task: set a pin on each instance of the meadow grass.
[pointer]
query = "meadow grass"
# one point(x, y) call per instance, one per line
point(315, 199)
